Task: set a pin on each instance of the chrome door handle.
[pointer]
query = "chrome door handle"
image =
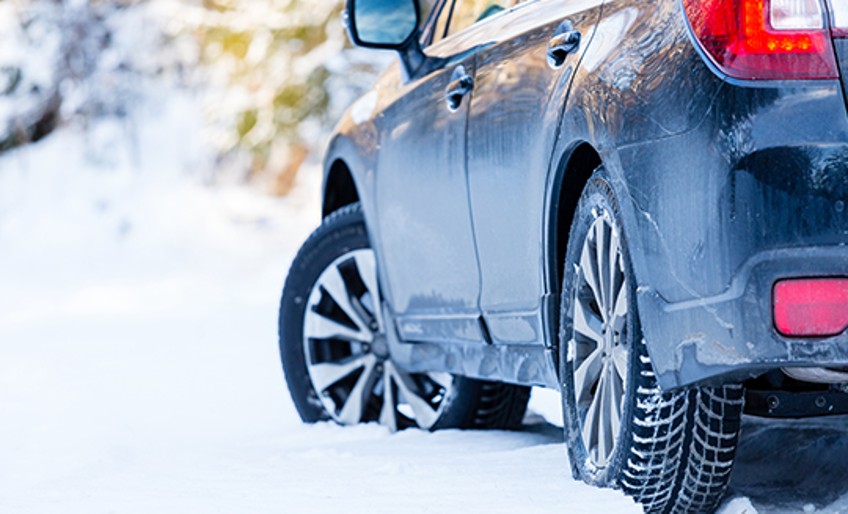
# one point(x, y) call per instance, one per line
point(565, 41)
point(460, 85)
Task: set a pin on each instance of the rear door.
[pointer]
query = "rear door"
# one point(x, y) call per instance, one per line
point(521, 83)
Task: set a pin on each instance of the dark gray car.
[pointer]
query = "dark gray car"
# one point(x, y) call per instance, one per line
point(639, 203)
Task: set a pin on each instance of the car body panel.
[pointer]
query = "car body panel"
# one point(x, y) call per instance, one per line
point(768, 168)
point(723, 187)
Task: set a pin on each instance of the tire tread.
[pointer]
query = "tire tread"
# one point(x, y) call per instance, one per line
point(683, 445)
point(500, 406)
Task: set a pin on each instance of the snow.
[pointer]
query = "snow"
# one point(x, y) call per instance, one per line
point(139, 369)
point(140, 372)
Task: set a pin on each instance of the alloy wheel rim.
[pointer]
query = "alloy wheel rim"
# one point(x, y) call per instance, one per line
point(347, 353)
point(597, 348)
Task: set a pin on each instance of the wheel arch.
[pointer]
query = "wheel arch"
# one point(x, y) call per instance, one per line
point(347, 163)
point(574, 170)
point(339, 187)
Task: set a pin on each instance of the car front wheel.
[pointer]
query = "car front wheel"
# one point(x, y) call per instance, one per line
point(336, 356)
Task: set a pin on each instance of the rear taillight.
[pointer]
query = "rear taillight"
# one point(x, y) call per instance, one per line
point(811, 307)
point(764, 39)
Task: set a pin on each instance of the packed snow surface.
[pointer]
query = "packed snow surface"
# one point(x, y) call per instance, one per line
point(139, 370)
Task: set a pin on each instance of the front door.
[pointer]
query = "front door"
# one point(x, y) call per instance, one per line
point(425, 232)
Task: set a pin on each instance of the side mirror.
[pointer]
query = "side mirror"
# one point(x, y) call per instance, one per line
point(386, 24)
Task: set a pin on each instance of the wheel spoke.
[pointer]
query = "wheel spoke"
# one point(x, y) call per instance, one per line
point(587, 374)
point(319, 326)
point(354, 405)
point(612, 422)
point(619, 359)
point(425, 414)
point(616, 393)
point(443, 380)
point(388, 413)
point(603, 272)
point(367, 268)
point(587, 323)
point(590, 435)
point(601, 398)
point(590, 274)
point(333, 283)
point(613, 270)
point(619, 311)
point(591, 423)
point(327, 374)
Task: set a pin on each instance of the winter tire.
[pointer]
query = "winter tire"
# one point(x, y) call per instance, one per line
point(671, 451)
point(336, 357)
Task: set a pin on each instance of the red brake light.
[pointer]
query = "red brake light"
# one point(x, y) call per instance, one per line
point(811, 307)
point(764, 39)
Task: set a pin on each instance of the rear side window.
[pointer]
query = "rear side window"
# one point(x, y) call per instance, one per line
point(440, 29)
point(469, 12)
point(426, 8)
point(459, 14)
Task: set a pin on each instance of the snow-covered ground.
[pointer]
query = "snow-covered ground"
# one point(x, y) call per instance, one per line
point(139, 369)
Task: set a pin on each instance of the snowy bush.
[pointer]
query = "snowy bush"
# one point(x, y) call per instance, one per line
point(29, 97)
point(281, 72)
point(72, 61)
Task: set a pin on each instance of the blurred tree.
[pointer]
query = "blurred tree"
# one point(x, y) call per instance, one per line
point(275, 74)
point(284, 72)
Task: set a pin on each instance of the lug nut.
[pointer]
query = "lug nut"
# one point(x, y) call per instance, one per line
point(773, 402)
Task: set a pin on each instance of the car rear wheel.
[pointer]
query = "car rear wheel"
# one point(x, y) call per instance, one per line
point(336, 356)
point(671, 451)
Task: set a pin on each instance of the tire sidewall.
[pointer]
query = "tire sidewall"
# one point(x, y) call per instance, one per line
point(340, 233)
point(597, 194)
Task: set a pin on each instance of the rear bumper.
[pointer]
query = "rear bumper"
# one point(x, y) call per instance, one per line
point(731, 336)
point(756, 192)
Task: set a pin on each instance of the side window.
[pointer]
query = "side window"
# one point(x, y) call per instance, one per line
point(469, 12)
point(440, 28)
point(426, 8)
